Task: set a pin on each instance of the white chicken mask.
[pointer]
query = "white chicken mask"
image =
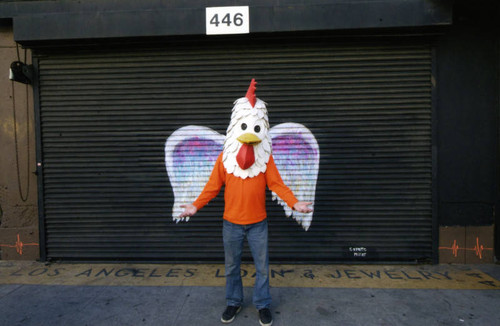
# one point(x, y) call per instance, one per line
point(247, 146)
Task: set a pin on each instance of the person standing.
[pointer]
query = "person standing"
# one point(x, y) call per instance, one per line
point(246, 167)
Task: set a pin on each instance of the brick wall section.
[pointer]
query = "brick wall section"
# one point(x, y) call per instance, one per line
point(18, 217)
point(466, 245)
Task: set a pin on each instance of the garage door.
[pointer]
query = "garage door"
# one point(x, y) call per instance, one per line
point(105, 114)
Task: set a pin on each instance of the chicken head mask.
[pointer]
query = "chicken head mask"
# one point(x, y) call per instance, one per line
point(247, 146)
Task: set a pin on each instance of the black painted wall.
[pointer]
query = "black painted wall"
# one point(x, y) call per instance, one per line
point(468, 86)
point(467, 111)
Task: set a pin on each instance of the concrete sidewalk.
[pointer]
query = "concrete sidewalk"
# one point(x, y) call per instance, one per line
point(79, 305)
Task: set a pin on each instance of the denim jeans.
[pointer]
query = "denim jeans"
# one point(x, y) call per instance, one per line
point(234, 236)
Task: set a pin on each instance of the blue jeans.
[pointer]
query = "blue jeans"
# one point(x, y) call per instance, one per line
point(256, 234)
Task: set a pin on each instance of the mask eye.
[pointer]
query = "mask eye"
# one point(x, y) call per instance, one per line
point(256, 129)
point(243, 126)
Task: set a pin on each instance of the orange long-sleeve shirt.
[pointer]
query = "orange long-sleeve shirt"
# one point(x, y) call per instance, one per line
point(245, 199)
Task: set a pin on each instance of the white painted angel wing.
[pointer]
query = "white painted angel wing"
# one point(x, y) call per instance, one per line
point(190, 155)
point(296, 154)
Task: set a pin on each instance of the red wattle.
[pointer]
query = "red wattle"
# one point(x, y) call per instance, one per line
point(245, 156)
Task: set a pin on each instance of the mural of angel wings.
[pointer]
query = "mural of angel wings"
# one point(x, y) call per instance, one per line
point(191, 152)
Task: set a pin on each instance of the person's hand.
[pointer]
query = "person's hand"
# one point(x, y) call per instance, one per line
point(303, 207)
point(189, 210)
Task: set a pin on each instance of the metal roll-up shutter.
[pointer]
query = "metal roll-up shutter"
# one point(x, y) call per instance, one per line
point(105, 115)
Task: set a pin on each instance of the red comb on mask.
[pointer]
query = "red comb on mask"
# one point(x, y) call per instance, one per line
point(252, 98)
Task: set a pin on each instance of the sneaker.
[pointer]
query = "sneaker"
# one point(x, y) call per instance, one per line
point(229, 314)
point(265, 317)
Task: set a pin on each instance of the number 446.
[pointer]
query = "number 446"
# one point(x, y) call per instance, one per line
point(237, 20)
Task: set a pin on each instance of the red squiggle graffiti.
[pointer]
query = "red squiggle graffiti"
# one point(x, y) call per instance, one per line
point(19, 245)
point(478, 248)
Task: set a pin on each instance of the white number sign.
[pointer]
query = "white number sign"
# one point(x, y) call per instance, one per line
point(227, 20)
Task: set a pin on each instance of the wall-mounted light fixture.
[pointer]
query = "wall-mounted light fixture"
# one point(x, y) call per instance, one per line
point(21, 72)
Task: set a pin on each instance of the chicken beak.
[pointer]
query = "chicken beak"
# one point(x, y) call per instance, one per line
point(249, 138)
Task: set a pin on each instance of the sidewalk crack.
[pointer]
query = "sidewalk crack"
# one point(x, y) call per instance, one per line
point(182, 307)
point(12, 291)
